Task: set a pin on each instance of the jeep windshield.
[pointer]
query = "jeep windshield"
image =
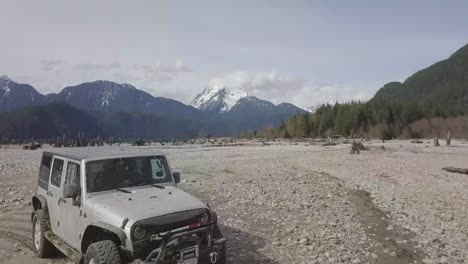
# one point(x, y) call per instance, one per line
point(109, 174)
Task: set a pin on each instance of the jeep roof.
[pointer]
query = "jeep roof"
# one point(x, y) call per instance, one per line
point(101, 153)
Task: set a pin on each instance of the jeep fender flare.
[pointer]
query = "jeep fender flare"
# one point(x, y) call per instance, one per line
point(38, 202)
point(119, 232)
point(107, 227)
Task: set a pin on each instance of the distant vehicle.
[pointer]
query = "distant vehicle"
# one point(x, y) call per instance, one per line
point(32, 146)
point(138, 143)
point(105, 206)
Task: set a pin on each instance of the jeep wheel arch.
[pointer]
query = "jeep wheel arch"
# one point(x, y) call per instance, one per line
point(102, 231)
point(39, 202)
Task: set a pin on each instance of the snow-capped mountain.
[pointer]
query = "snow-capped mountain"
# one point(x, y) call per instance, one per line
point(127, 111)
point(14, 95)
point(218, 99)
point(235, 111)
point(106, 96)
point(103, 96)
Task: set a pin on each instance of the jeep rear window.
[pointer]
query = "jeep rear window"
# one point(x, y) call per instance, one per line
point(109, 174)
point(44, 172)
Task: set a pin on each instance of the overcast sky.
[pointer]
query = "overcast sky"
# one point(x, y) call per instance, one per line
point(303, 52)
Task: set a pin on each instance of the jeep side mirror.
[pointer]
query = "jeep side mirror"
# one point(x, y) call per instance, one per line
point(176, 176)
point(77, 201)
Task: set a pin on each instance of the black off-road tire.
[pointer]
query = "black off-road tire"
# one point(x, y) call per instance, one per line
point(42, 248)
point(103, 252)
point(217, 234)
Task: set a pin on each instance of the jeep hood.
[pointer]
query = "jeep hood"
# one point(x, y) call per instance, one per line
point(141, 203)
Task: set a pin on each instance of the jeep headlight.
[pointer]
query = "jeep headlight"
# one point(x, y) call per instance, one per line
point(204, 218)
point(139, 232)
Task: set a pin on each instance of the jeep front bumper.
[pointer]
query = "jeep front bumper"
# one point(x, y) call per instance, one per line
point(186, 247)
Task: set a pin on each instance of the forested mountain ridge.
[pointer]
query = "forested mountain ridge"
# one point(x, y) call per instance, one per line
point(107, 96)
point(123, 110)
point(59, 119)
point(14, 95)
point(49, 121)
point(434, 94)
point(442, 86)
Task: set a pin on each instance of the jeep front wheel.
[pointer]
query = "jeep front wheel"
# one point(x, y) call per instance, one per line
point(102, 252)
point(42, 247)
point(217, 234)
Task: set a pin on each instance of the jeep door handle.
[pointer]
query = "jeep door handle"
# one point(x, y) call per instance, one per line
point(50, 193)
point(62, 200)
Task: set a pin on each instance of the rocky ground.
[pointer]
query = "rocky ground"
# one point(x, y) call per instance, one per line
point(287, 203)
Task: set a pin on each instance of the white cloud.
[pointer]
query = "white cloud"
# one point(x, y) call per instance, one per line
point(266, 85)
point(49, 65)
point(178, 81)
point(152, 72)
point(321, 94)
point(159, 71)
point(279, 87)
point(87, 66)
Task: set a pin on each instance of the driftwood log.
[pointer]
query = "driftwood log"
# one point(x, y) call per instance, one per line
point(456, 170)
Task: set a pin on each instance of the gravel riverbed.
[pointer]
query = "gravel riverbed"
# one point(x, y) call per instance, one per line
point(297, 203)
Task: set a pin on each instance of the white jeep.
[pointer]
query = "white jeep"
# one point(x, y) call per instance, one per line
point(104, 205)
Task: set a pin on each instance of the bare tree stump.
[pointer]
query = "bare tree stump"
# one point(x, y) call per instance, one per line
point(449, 138)
point(456, 170)
point(436, 142)
point(355, 148)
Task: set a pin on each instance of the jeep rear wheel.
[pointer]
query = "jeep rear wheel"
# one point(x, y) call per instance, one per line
point(102, 252)
point(42, 247)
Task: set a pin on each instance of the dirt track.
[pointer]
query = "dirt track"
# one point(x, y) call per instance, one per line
point(298, 203)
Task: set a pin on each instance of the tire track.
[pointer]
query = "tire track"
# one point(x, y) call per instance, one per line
point(371, 215)
point(17, 228)
point(15, 220)
point(15, 238)
point(22, 213)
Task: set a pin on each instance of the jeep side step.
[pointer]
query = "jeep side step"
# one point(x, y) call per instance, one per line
point(72, 254)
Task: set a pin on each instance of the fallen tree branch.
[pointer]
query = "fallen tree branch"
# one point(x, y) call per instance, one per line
point(456, 170)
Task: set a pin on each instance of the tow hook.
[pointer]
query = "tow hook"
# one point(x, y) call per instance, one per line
point(213, 257)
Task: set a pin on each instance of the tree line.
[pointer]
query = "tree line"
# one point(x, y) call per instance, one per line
point(363, 119)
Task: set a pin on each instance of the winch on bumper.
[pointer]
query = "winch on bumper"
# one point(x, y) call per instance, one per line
point(181, 238)
point(183, 246)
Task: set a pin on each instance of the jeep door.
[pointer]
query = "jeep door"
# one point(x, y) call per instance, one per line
point(54, 194)
point(70, 208)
